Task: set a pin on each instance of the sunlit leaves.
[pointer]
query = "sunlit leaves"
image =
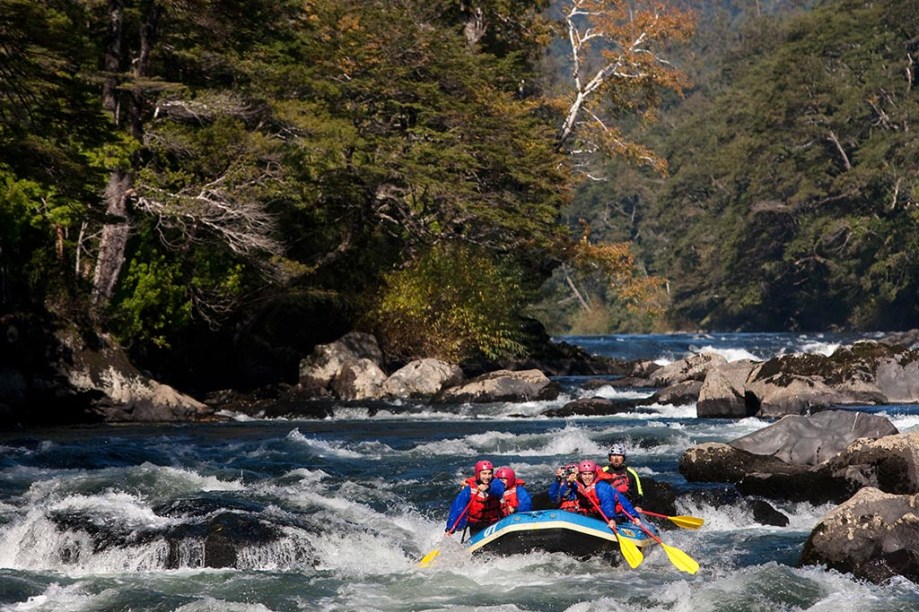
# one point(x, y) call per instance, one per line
point(453, 303)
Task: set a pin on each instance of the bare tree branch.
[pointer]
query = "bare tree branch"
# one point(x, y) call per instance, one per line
point(243, 225)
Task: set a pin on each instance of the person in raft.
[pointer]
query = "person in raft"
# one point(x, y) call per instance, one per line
point(478, 504)
point(564, 491)
point(623, 478)
point(516, 498)
point(599, 499)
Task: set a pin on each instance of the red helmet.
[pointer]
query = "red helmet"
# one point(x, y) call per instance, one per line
point(506, 472)
point(587, 466)
point(483, 465)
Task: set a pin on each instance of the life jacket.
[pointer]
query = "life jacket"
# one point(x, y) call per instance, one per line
point(509, 499)
point(620, 480)
point(570, 504)
point(588, 502)
point(484, 509)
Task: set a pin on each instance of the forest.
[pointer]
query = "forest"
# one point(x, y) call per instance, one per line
point(222, 184)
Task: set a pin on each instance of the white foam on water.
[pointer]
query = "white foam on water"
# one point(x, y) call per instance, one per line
point(324, 448)
point(458, 447)
point(57, 597)
point(294, 549)
point(669, 411)
point(820, 348)
point(210, 604)
point(35, 543)
point(726, 518)
point(568, 443)
point(730, 354)
point(359, 553)
point(904, 423)
point(146, 480)
point(613, 393)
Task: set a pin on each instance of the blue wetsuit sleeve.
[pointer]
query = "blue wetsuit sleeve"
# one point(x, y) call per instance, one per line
point(605, 493)
point(626, 505)
point(496, 488)
point(555, 491)
point(457, 508)
point(525, 502)
point(568, 490)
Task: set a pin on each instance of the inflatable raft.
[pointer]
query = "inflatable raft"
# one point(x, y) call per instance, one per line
point(554, 531)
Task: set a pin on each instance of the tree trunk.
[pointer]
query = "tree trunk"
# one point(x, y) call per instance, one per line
point(117, 226)
point(114, 238)
point(112, 60)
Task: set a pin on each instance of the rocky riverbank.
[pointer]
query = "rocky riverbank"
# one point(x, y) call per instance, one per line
point(856, 460)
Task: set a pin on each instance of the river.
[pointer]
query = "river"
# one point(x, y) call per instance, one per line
point(335, 514)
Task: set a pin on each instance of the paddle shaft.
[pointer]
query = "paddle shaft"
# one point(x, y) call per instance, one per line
point(632, 555)
point(426, 560)
point(649, 513)
point(645, 529)
point(686, 522)
point(462, 514)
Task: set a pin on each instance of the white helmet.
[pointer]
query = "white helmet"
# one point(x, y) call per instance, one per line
point(617, 449)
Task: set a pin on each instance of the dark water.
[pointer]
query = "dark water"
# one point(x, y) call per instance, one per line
point(335, 514)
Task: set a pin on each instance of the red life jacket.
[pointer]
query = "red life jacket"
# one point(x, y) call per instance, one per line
point(571, 505)
point(484, 509)
point(603, 475)
point(588, 495)
point(509, 499)
point(588, 502)
point(619, 480)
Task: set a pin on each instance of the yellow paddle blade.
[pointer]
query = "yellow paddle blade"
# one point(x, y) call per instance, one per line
point(687, 522)
point(426, 560)
point(680, 559)
point(631, 553)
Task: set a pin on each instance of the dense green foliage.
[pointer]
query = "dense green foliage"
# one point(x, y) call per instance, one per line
point(792, 196)
point(183, 167)
point(200, 177)
point(451, 303)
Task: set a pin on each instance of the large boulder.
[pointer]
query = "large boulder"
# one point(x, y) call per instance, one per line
point(890, 463)
point(788, 393)
point(864, 373)
point(760, 475)
point(874, 536)
point(359, 379)
point(680, 394)
point(325, 362)
point(53, 373)
point(723, 393)
point(694, 367)
point(422, 378)
point(815, 439)
point(818, 459)
point(717, 462)
point(898, 380)
point(502, 386)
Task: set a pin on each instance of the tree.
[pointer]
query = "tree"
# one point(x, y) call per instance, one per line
point(791, 204)
point(616, 70)
point(169, 76)
point(49, 129)
point(616, 67)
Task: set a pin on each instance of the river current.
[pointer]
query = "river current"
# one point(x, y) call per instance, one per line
point(335, 514)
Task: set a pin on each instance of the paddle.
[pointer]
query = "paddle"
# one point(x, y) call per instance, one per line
point(680, 559)
point(686, 522)
point(426, 560)
point(631, 553)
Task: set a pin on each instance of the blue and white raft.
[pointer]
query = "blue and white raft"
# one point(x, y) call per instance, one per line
point(554, 531)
